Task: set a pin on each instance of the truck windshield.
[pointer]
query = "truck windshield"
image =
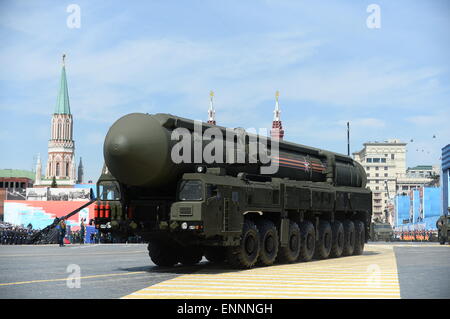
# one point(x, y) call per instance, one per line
point(191, 190)
point(108, 190)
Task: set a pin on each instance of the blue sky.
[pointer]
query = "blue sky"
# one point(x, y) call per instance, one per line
point(165, 56)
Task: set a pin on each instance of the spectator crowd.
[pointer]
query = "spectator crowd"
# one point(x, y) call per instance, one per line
point(15, 235)
point(18, 235)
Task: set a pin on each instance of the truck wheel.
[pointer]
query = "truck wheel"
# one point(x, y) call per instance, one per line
point(290, 253)
point(246, 254)
point(324, 242)
point(190, 255)
point(349, 238)
point(162, 254)
point(215, 254)
point(307, 242)
point(269, 243)
point(337, 245)
point(360, 237)
point(441, 240)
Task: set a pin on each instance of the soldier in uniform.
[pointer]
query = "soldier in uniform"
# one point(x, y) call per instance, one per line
point(82, 231)
point(62, 232)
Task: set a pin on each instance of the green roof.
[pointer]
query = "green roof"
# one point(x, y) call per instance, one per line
point(62, 104)
point(8, 173)
point(420, 168)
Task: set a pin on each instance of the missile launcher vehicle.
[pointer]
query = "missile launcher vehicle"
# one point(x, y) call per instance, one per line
point(443, 226)
point(255, 205)
point(380, 231)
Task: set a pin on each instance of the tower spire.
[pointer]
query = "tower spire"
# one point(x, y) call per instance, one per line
point(212, 110)
point(80, 172)
point(277, 131)
point(38, 170)
point(62, 103)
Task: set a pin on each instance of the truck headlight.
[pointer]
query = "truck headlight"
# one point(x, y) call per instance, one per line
point(184, 225)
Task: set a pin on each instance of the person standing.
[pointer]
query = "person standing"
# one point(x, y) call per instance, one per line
point(82, 231)
point(62, 232)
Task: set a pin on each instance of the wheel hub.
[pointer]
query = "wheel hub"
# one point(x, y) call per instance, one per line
point(309, 241)
point(269, 244)
point(293, 243)
point(250, 245)
point(327, 240)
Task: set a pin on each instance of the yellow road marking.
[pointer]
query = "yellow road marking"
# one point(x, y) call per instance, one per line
point(373, 275)
point(255, 296)
point(64, 279)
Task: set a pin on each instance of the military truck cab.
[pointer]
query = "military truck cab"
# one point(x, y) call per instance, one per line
point(381, 231)
point(443, 226)
point(108, 210)
point(208, 205)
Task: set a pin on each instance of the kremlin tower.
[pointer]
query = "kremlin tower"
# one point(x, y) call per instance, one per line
point(212, 110)
point(277, 131)
point(80, 172)
point(61, 146)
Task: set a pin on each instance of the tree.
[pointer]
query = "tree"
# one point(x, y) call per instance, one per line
point(435, 180)
point(54, 185)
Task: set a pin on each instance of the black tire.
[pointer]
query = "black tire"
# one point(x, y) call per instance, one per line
point(442, 240)
point(349, 238)
point(269, 242)
point(290, 253)
point(337, 246)
point(190, 255)
point(163, 255)
point(360, 237)
point(215, 254)
point(324, 241)
point(308, 241)
point(246, 254)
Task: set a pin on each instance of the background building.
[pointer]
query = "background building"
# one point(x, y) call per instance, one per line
point(13, 182)
point(400, 195)
point(16, 178)
point(423, 171)
point(384, 163)
point(417, 177)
